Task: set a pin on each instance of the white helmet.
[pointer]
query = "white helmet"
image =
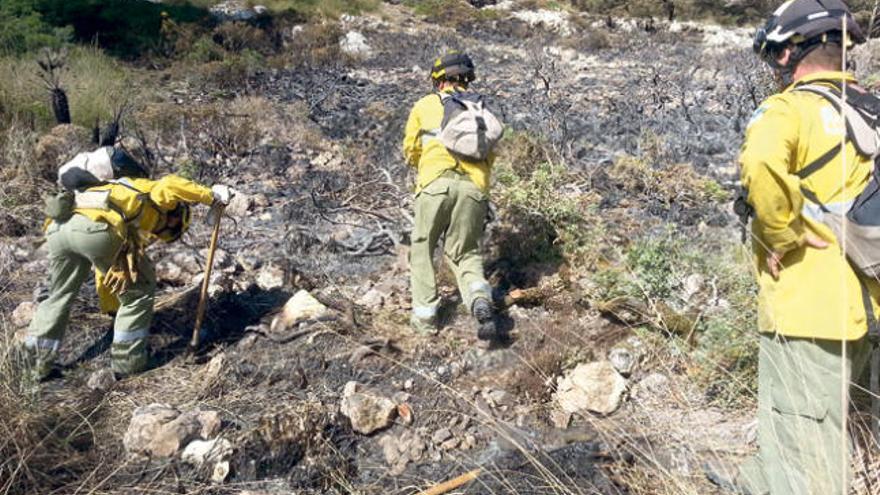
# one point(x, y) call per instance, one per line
point(805, 25)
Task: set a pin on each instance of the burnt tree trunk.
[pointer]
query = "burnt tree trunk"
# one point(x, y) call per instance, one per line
point(60, 106)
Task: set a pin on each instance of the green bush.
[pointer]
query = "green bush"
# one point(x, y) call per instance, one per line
point(23, 30)
point(722, 352)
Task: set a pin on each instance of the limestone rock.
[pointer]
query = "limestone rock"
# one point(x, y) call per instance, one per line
point(198, 452)
point(240, 205)
point(101, 380)
point(595, 387)
point(23, 314)
point(161, 431)
point(301, 307)
point(270, 277)
point(355, 44)
point(623, 360)
point(368, 411)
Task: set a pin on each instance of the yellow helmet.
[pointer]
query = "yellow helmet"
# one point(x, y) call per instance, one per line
point(456, 66)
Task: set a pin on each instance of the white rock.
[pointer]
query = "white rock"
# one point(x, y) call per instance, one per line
point(220, 472)
point(240, 205)
point(301, 307)
point(23, 314)
point(161, 431)
point(368, 412)
point(198, 452)
point(623, 360)
point(101, 380)
point(355, 44)
point(271, 277)
point(595, 387)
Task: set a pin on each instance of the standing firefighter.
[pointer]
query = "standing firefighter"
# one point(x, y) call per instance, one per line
point(106, 225)
point(802, 183)
point(449, 139)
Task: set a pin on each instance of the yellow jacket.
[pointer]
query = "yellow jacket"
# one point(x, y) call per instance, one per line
point(164, 193)
point(818, 294)
point(428, 154)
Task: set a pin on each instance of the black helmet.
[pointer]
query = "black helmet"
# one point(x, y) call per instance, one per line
point(177, 222)
point(454, 66)
point(805, 24)
point(124, 165)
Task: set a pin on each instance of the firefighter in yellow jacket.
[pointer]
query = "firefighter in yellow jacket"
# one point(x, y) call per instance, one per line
point(810, 299)
point(451, 203)
point(109, 227)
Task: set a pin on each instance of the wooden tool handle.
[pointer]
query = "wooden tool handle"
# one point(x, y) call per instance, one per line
point(209, 266)
point(452, 484)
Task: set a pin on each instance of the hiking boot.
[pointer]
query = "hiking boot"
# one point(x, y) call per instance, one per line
point(485, 316)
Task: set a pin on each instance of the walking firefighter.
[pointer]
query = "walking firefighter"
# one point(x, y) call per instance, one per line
point(449, 139)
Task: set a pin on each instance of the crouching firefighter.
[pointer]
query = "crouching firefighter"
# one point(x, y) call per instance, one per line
point(109, 213)
point(809, 166)
point(449, 139)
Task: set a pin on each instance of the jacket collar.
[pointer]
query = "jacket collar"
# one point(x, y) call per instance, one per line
point(824, 76)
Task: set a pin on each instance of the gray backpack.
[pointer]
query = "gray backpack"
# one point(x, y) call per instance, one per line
point(469, 130)
point(861, 235)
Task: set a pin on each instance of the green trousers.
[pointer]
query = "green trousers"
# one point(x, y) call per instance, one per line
point(453, 208)
point(74, 247)
point(801, 408)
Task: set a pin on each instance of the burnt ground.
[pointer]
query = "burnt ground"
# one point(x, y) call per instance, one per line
point(328, 212)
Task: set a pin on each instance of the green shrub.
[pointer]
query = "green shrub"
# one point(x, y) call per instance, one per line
point(23, 30)
point(722, 309)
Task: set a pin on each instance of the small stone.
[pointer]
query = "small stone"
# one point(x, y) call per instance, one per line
point(560, 419)
point(220, 472)
point(23, 314)
point(405, 413)
point(270, 277)
point(441, 435)
point(215, 368)
point(210, 422)
point(355, 44)
point(240, 205)
point(469, 442)
point(623, 360)
point(101, 380)
point(408, 385)
point(198, 452)
point(368, 412)
point(157, 430)
point(450, 444)
point(301, 307)
point(595, 387)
